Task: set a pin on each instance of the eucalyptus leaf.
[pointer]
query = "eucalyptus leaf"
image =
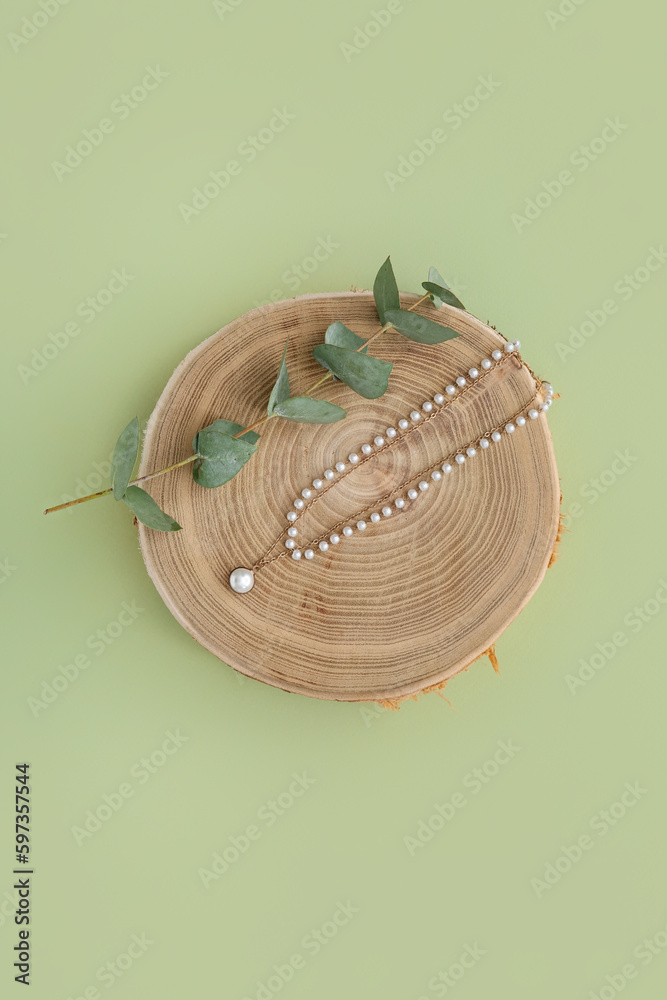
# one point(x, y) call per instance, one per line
point(146, 510)
point(418, 328)
point(385, 291)
point(228, 427)
point(366, 375)
point(342, 336)
point(440, 291)
point(221, 456)
point(280, 390)
point(436, 278)
point(124, 458)
point(305, 410)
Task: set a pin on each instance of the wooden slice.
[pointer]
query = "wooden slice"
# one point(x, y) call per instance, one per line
point(410, 601)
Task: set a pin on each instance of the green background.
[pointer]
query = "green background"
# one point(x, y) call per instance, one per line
point(377, 774)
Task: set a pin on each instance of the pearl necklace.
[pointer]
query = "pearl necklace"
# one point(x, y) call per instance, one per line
point(242, 580)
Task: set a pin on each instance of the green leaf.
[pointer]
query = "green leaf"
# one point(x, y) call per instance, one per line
point(124, 458)
point(147, 511)
point(342, 336)
point(385, 291)
point(228, 427)
point(440, 290)
point(280, 390)
point(366, 375)
point(221, 456)
point(305, 410)
point(418, 328)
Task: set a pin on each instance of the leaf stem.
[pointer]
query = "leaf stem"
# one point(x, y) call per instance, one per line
point(258, 423)
point(103, 493)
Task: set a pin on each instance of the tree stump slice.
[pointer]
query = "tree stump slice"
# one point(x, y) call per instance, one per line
point(409, 602)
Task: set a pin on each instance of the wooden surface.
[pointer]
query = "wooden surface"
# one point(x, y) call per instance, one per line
point(409, 602)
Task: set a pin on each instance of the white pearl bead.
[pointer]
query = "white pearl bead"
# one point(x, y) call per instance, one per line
point(496, 355)
point(486, 364)
point(517, 344)
point(289, 543)
point(296, 554)
point(317, 484)
point(415, 416)
point(361, 525)
point(438, 399)
point(241, 580)
point(292, 532)
point(306, 494)
point(547, 386)
point(353, 458)
point(367, 448)
point(545, 406)
point(423, 486)
point(460, 381)
point(508, 348)
point(347, 531)
point(496, 436)
point(309, 553)
point(386, 511)
point(520, 421)
point(298, 503)
point(403, 424)
point(473, 373)
point(329, 473)
point(460, 459)
point(510, 428)
point(471, 452)
point(399, 502)
point(323, 546)
point(533, 414)
point(391, 432)
point(484, 443)
point(291, 515)
point(427, 407)
point(375, 517)
point(379, 441)
point(436, 475)
point(413, 494)
point(334, 539)
point(340, 466)
point(446, 468)
point(450, 390)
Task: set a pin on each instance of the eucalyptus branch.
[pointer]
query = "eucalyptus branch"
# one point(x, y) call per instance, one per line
point(221, 449)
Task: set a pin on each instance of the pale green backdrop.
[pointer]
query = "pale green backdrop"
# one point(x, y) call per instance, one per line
point(580, 697)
